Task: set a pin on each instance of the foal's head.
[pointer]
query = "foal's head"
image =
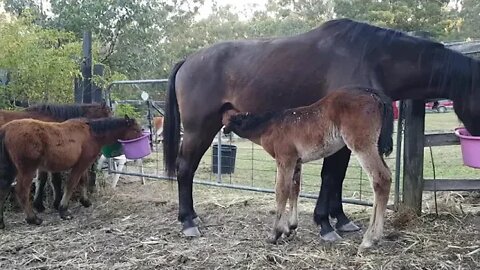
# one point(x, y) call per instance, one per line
point(112, 128)
point(247, 125)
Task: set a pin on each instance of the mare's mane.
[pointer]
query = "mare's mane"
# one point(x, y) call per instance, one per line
point(61, 111)
point(457, 75)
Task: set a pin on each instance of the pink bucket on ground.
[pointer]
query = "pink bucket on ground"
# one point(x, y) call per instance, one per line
point(470, 146)
point(137, 148)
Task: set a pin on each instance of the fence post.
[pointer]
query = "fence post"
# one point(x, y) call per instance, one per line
point(87, 67)
point(98, 70)
point(219, 157)
point(414, 112)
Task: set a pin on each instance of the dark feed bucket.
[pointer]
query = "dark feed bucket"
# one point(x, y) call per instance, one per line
point(229, 153)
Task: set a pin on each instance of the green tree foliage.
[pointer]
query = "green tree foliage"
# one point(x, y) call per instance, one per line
point(42, 62)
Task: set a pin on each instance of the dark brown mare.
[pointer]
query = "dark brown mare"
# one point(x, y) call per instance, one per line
point(353, 118)
point(27, 145)
point(55, 113)
point(280, 73)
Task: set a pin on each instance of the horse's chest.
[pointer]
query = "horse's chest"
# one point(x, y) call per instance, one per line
point(315, 150)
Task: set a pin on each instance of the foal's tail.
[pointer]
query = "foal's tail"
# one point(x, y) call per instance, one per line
point(385, 141)
point(7, 168)
point(171, 128)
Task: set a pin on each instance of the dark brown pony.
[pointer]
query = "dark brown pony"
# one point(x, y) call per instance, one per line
point(27, 145)
point(280, 73)
point(55, 113)
point(352, 118)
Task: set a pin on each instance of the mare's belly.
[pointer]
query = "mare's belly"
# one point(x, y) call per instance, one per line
point(315, 151)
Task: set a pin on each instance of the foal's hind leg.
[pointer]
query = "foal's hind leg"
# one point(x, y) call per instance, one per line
point(380, 176)
point(40, 191)
point(22, 190)
point(72, 182)
point(293, 197)
point(285, 170)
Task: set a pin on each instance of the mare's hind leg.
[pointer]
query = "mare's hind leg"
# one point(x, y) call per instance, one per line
point(293, 197)
point(380, 177)
point(283, 187)
point(22, 190)
point(192, 149)
point(40, 191)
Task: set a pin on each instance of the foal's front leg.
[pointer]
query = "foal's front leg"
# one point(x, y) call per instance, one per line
point(282, 190)
point(72, 182)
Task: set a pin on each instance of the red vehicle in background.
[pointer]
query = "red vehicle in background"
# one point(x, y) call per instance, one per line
point(440, 106)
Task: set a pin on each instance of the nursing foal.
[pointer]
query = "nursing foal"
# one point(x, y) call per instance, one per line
point(358, 119)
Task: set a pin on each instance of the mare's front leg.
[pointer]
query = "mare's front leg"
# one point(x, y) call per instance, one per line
point(283, 187)
point(22, 190)
point(75, 175)
point(40, 191)
point(329, 202)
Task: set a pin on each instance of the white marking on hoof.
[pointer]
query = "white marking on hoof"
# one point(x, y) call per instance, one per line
point(349, 227)
point(197, 220)
point(191, 232)
point(331, 237)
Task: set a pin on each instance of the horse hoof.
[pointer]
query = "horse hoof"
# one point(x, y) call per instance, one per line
point(34, 220)
point(39, 207)
point(85, 203)
point(191, 232)
point(349, 227)
point(197, 220)
point(331, 237)
point(2, 225)
point(65, 214)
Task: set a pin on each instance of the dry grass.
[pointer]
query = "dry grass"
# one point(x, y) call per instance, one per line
point(135, 227)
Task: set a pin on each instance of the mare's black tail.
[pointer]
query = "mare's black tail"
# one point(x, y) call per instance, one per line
point(171, 125)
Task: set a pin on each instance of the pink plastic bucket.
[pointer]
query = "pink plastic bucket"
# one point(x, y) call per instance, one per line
point(137, 148)
point(470, 146)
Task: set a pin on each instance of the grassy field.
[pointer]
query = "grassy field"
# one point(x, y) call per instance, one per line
point(254, 167)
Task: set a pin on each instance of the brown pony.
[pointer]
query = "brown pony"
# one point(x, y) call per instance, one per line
point(352, 118)
point(27, 145)
point(55, 113)
point(158, 125)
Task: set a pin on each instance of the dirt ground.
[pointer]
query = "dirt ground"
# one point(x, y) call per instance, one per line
point(135, 227)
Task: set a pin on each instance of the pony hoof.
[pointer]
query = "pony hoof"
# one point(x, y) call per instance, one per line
point(39, 207)
point(65, 214)
point(331, 237)
point(34, 221)
point(349, 227)
point(274, 238)
point(2, 225)
point(85, 203)
point(191, 232)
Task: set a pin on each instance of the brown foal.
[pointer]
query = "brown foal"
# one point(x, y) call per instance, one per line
point(342, 118)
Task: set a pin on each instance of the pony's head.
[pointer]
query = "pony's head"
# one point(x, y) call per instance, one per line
point(133, 129)
point(114, 128)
